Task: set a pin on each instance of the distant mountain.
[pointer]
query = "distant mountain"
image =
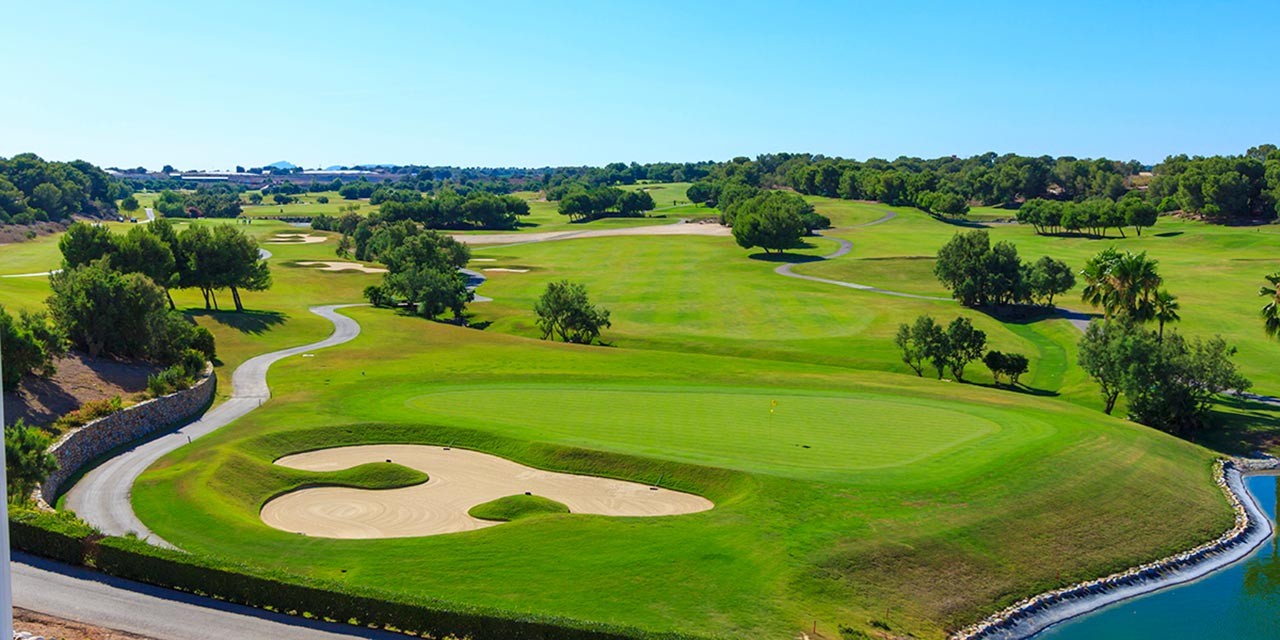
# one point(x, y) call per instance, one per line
point(283, 165)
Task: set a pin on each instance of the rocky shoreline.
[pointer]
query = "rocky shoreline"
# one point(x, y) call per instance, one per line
point(1032, 615)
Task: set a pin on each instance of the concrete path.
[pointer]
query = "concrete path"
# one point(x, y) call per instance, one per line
point(76, 593)
point(844, 249)
point(32, 275)
point(475, 279)
point(102, 496)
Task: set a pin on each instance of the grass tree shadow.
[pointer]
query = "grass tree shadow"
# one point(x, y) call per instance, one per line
point(1019, 388)
point(1033, 313)
point(784, 257)
point(253, 322)
point(962, 222)
point(1169, 234)
point(1243, 427)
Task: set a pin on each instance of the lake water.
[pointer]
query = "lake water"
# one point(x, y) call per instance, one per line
point(1239, 602)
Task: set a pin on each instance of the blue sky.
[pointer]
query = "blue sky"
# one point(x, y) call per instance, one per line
point(212, 85)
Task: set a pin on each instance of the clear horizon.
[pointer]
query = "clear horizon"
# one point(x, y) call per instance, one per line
point(577, 83)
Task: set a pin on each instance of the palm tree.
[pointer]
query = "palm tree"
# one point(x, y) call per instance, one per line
point(1097, 290)
point(1122, 284)
point(1134, 280)
point(1165, 309)
point(1271, 312)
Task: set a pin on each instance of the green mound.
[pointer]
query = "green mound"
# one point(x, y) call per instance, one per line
point(516, 507)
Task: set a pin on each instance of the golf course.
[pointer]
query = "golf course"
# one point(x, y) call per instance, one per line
point(812, 482)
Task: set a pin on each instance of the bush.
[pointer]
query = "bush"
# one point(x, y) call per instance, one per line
point(27, 458)
point(168, 381)
point(377, 295)
point(323, 222)
point(323, 199)
point(202, 341)
point(192, 363)
point(90, 411)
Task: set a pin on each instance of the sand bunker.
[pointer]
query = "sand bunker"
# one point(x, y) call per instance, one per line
point(460, 480)
point(295, 238)
point(340, 266)
point(506, 270)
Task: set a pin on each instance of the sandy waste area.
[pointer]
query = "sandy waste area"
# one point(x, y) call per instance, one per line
point(340, 266)
point(295, 238)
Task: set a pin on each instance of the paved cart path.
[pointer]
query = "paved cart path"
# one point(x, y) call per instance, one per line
point(102, 496)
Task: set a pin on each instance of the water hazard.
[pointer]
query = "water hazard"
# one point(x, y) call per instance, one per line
point(1239, 602)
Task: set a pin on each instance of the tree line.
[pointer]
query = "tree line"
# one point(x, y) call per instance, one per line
point(980, 274)
point(110, 299)
point(588, 203)
point(206, 201)
point(1092, 217)
point(448, 210)
point(34, 190)
point(1240, 187)
point(422, 269)
point(1168, 381)
point(208, 258)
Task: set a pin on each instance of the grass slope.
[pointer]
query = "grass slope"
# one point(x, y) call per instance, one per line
point(912, 503)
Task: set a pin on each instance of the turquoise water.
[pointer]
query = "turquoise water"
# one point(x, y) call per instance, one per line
point(1239, 602)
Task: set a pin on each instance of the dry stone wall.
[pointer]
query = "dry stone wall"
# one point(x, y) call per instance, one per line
point(82, 446)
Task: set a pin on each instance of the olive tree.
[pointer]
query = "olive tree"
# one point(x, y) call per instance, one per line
point(564, 311)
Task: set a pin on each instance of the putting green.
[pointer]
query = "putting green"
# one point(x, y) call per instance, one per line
point(728, 428)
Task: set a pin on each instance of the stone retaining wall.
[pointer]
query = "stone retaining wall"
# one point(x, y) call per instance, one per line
point(1003, 623)
point(79, 447)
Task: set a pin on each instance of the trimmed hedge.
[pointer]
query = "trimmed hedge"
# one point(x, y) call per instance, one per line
point(59, 535)
point(63, 538)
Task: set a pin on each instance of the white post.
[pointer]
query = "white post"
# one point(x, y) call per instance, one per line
point(6, 583)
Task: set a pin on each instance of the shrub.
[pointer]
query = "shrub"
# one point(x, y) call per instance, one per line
point(26, 453)
point(173, 379)
point(202, 341)
point(322, 222)
point(90, 411)
point(192, 363)
point(377, 295)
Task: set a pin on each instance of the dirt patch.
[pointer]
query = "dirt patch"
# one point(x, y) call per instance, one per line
point(13, 233)
point(79, 379)
point(58, 629)
point(295, 238)
point(340, 266)
point(460, 480)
